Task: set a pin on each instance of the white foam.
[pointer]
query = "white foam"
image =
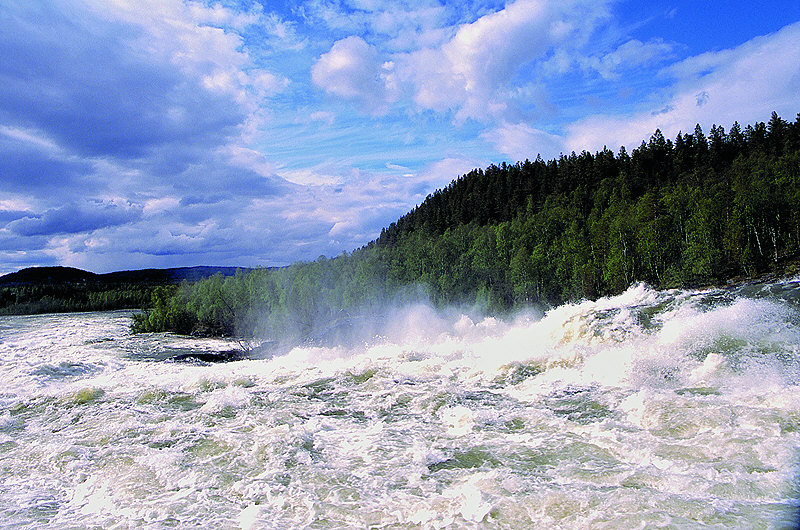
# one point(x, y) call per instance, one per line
point(649, 406)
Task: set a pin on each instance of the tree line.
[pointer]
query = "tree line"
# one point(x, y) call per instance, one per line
point(64, 297)
point(699, 209)
point(37, 290)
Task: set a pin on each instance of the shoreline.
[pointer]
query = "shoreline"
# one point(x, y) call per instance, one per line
point(783, 270)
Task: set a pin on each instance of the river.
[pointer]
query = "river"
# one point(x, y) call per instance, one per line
point(677, 409)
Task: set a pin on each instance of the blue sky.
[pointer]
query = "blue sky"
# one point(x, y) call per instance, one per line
point(163, 133)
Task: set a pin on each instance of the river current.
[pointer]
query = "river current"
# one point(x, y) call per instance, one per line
point(651, 409)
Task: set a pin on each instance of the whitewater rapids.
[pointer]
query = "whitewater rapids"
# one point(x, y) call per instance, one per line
point(676, 409)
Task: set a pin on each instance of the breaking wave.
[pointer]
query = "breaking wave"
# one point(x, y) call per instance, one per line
point(652, 408)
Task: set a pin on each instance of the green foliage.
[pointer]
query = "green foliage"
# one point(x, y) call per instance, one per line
point(59, 297)
point(67, 289)
point(694, 211)
point(168, 311)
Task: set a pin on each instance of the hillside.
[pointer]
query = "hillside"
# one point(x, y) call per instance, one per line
point(691, 211)
point(42, 275)
point(36, 275)
point(63, 289)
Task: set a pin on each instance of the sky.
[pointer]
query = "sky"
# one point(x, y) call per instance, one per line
point(169, 133)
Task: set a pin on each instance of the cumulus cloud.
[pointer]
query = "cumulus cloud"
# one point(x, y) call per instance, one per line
point(440, 173)
point(323, 116)
point(8, 215)
point(112, 113)
point(201, 41)
point(467, 68)
point(629, 55)
point(125, 79)
point(521, 141)
point(166, 132)
point(76, 217)
point(743, 84)
point(468, 73)
point(31, 163)
point(97, 95)
point(353, 70)
point(403, 24)
point(348, 208)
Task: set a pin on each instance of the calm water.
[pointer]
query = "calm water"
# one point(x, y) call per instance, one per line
point(651, 409)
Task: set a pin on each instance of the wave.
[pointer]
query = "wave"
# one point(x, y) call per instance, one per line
point(651, 408)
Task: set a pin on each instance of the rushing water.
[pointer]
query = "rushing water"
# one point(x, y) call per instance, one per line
point(651, 409)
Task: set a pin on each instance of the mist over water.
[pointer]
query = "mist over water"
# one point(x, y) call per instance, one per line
point(649, 409)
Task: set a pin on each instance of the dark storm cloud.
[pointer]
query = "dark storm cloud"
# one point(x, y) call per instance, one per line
point(11, 243)
point(75, 218)
point(86, 84)
point(7, 216)
point(120, 132)
point(212, 182)
point(25, 167)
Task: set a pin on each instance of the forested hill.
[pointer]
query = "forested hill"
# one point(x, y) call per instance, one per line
point(699, 209)
point(63, 289)
point(500, 193)
point(50, 275)
point(693, 210)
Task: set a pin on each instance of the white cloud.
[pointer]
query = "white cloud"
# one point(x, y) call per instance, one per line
point(202, 41)
point(160, 205)
point(84, 216)
point(402, 25)
point(353, 70)
point(398, 167)
point(340, 211)
point(331, 14)
point(32, 137)
point(521, 141)
point(315, 176)
point(247, 158)
point(283, 33)
point(15, 204)
point(743, 84)
point(167, 115)
point(629, 55)
point(468, 73)
point(323, 116)
point(444, 171)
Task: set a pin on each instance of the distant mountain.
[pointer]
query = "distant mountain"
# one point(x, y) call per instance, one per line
point(48, 275)
point(61, 275)
point(174, 275)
